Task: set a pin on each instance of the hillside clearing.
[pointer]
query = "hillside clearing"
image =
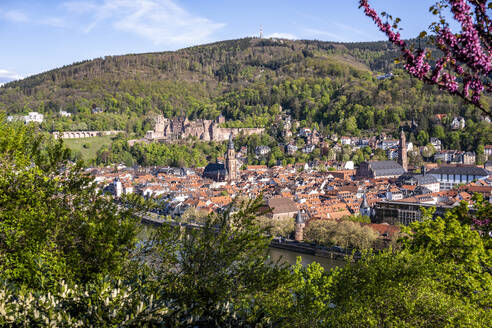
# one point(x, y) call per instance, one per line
point(88, 147)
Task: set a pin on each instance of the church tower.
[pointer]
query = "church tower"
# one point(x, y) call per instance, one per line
point(402, 152)
point(231, 163)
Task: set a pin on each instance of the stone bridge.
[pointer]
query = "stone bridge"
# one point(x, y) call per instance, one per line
point(83, 134)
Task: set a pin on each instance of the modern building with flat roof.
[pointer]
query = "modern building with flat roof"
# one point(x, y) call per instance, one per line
point(451, 176)
point(401, 212)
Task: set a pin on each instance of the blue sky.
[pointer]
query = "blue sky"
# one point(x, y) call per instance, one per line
point(38, 35)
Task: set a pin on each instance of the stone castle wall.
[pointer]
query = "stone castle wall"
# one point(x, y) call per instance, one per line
point(222, 134)
point(83, 134)
point(206, 130)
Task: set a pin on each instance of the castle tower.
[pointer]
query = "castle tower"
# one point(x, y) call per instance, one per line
point(402, 152)
point(160, 123)
point(231, 163)
point(300, 224)
point(365, 209)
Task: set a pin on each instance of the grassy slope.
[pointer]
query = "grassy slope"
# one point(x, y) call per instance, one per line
point(92, 145)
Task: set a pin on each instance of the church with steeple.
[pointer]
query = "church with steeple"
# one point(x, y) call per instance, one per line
point(224, 172)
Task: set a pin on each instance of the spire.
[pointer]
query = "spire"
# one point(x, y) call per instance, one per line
point(364, 204)
point(231, 143)
point(414, 124)
point(300, 217)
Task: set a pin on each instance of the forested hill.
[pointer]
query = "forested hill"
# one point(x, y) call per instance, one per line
point(329, 85)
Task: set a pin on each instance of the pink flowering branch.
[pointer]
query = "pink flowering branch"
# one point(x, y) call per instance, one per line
point(464, 68)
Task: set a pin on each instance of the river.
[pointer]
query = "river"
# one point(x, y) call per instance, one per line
point(276, 254)
point(306, 259)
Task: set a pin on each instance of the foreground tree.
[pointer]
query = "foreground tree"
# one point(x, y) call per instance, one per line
point(440, 278)
point(54, 224)
point(460, 251)
point(305, 300)
point(401, 289)
point(465, 61)
point(215, 275)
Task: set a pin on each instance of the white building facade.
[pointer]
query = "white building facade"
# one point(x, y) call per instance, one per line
point(451, 176)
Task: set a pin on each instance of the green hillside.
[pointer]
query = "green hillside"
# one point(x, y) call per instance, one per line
point(332, 86)
point(87, 148)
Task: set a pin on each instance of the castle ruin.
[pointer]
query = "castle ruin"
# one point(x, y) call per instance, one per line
point(180, 128)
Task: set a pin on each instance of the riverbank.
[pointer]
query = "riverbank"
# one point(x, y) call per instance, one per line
point(280, 248)
point(291, 257)
point(334, 252)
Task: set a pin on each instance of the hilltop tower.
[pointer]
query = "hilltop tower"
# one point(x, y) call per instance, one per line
point(231, 163)
point(402, 152)
point(261, 31)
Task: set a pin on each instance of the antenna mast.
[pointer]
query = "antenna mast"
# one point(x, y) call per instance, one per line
point(261, 31)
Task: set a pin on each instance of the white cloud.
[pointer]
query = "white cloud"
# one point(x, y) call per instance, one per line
point(16, 16)
point(282, 36)
point(9, 75)
point(160, 21)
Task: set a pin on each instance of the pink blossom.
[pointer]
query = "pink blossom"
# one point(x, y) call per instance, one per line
point(470, 49)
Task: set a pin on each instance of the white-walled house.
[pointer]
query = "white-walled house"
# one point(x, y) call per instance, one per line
point(262, 150)
point(34, 117)
point(458, 123)
point(346, 141)
point(436, 143)
point(349, 165)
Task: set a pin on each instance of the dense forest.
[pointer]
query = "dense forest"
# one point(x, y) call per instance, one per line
point(331, 86)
